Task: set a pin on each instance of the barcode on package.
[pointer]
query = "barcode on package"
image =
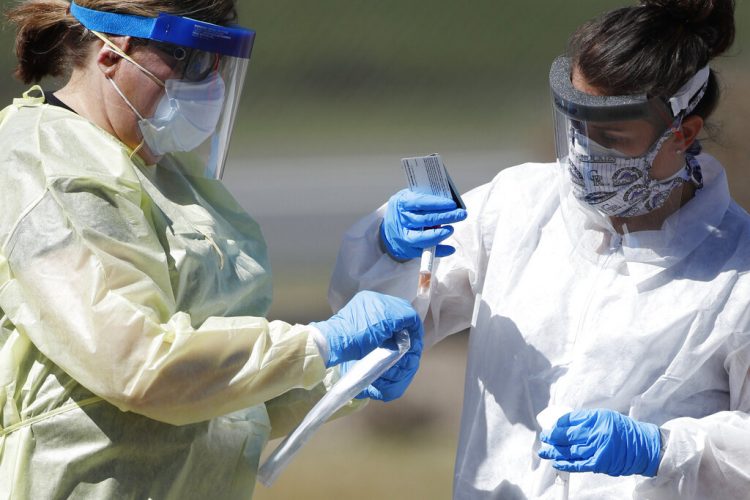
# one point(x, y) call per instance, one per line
point(428, 175)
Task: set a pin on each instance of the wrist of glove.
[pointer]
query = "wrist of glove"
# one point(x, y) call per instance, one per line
point(366, 322)
point(415, 221)
point(603, 441)
point(394, 382)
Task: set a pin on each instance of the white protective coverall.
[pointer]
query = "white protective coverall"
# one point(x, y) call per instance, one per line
point(655, 325)
point(134, 358)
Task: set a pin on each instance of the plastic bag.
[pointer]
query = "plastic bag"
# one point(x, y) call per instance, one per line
point(361, 375)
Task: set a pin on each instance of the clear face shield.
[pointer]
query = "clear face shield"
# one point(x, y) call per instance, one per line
point(608, 150)
point(195, 116)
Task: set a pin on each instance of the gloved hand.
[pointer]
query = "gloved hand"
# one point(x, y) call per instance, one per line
point(394, 382)
point(602, 441)
point(368, 320)
point(410, 224)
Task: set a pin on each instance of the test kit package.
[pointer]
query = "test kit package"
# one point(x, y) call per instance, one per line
point(428, 175)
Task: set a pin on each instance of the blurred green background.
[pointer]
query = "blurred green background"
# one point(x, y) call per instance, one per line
point(337, 92)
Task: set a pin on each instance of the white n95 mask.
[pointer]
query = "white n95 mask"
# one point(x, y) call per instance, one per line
point(185, 117)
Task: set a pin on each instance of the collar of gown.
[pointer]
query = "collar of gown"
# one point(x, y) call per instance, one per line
point(648, 252)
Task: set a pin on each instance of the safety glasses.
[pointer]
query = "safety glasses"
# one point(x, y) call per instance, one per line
point(193, 65)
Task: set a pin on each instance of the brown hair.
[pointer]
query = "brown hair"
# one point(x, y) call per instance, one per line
point(654, 48)
point(50, 41)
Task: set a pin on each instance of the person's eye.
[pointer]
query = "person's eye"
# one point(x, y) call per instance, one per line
point(613, 140)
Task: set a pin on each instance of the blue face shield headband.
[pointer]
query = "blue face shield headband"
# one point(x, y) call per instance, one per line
point(195, 117)
point(181, 31)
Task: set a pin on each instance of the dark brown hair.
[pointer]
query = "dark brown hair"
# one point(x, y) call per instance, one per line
point(50, 42)
point(654, 48)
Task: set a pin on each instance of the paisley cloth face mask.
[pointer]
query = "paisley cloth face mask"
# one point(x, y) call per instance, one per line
point(596, 137)
point(618, 185)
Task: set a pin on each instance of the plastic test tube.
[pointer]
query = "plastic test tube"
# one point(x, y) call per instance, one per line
point(425, 271)
point(562, 484)
point(546, 419)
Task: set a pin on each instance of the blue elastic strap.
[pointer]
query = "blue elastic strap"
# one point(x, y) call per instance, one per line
point(183, 31)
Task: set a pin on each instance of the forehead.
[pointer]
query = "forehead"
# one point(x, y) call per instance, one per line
point(580, 83)
point(643, 126)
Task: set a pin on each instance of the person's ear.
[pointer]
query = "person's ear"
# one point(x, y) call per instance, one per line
point(688, 132)
point(108, 59)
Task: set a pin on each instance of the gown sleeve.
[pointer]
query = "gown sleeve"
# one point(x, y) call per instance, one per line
point(708, 457)
point(84, 276)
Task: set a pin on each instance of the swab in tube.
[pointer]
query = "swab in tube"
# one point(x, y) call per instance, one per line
point(425, 271)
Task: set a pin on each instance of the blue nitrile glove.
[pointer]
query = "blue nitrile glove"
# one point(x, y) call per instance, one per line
point(602, 441)
point(366, 322)
point(393, 383)
point(404, 231)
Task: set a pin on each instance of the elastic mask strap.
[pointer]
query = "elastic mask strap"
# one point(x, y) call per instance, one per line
point(130, 105)
point(651, 154)
point(117, 50)
point(127, 101)
point(137, 149)
point(692, 171)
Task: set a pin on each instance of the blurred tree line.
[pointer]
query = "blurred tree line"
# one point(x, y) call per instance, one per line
point(357, 76)
point(364, 74)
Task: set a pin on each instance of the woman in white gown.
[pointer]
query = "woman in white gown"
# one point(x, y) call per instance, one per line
point(613, 282)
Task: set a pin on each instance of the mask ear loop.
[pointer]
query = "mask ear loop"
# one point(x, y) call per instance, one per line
point(692, 166)
point(135, 111)
point(117, 50)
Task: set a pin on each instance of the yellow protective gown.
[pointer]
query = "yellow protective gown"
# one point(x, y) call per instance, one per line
point(134, 358)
